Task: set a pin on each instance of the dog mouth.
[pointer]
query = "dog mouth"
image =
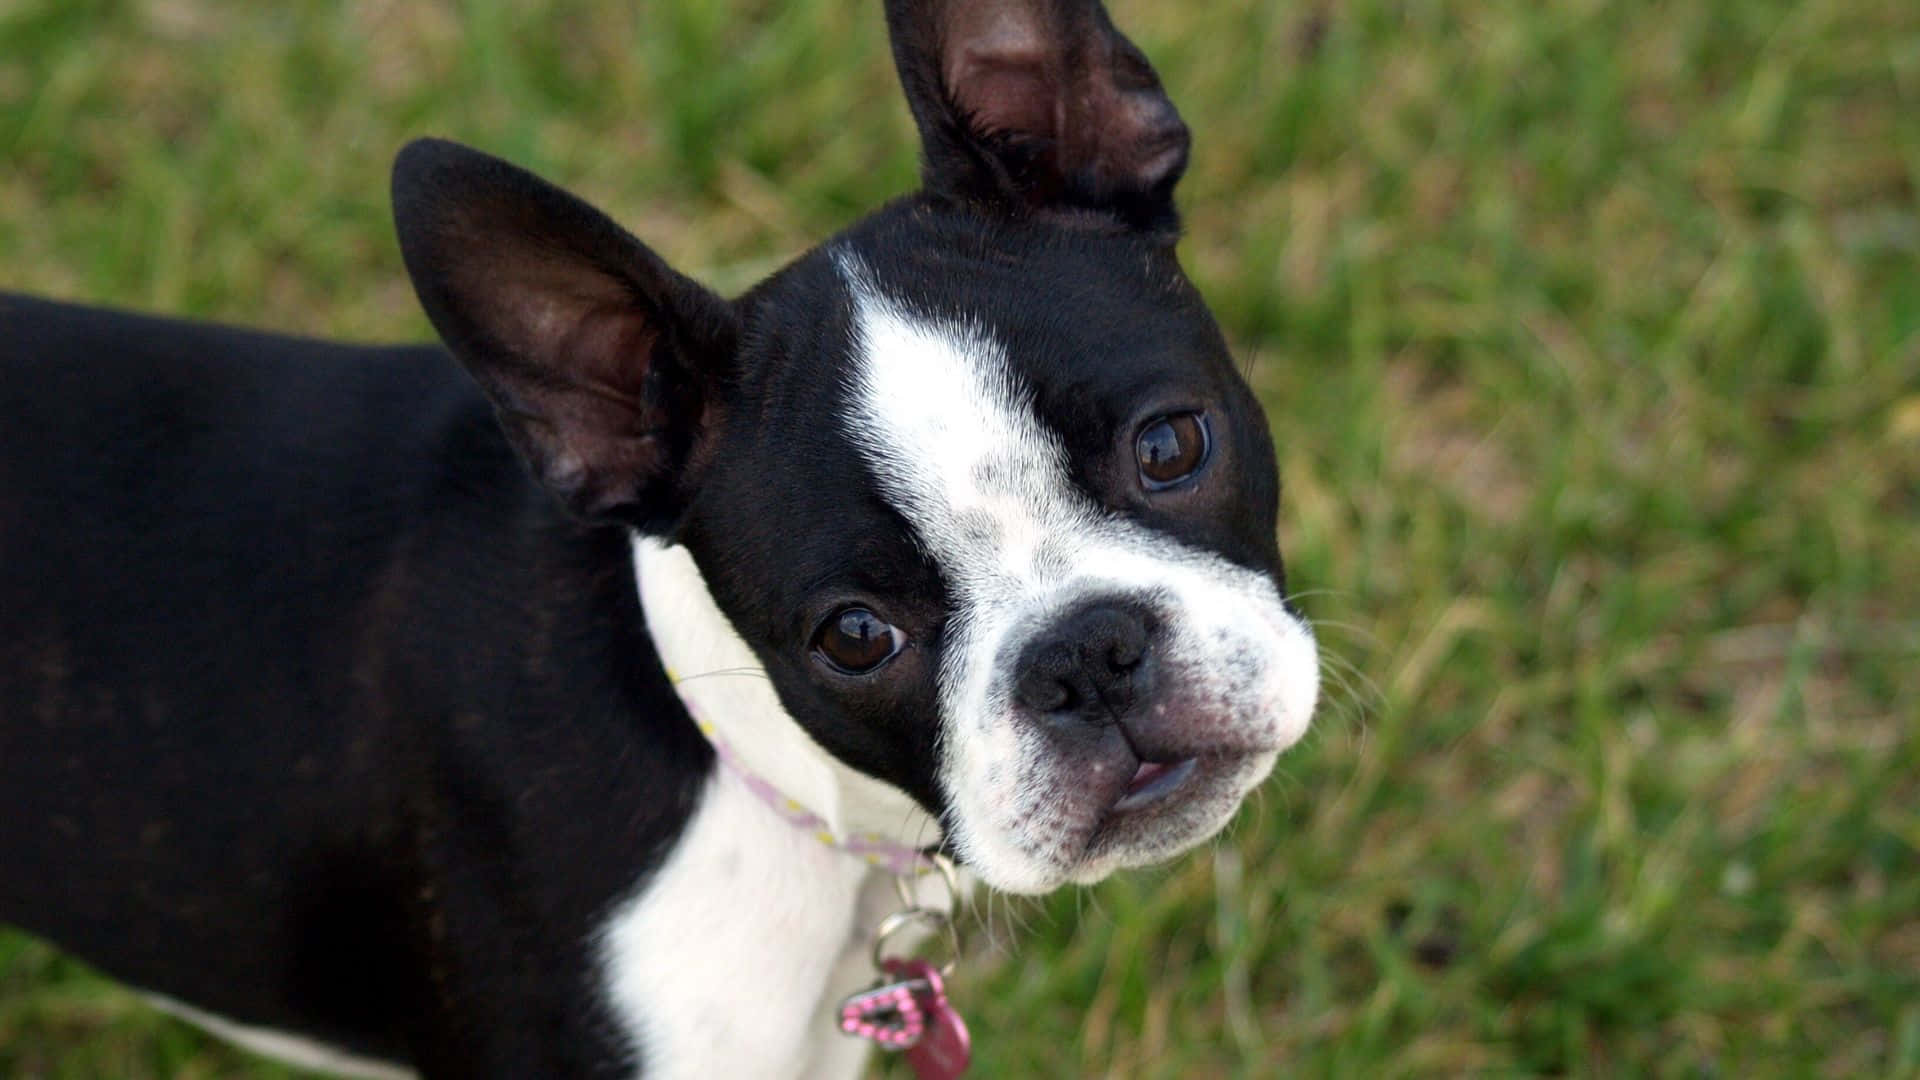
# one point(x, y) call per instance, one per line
point(1154, 781)
point(1164, 808)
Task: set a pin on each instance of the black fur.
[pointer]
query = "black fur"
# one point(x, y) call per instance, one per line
point(318, 712)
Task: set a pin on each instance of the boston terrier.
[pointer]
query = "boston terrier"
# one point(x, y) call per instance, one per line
point(588, 712)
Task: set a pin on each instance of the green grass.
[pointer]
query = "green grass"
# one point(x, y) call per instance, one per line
point(1590, 334)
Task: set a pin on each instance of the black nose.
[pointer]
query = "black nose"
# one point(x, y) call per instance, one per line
point(1090, 665)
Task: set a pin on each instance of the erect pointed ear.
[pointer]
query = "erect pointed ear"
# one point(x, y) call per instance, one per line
point(1038, 107)
point(602, 363)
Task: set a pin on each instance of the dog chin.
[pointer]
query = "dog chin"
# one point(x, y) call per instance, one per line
point(1084, 837)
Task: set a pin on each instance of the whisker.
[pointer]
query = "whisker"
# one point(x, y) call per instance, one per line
point(738, 671)
point(1093, 898)
point(1306, 593)
point(1356, 682)
point(1365, 635)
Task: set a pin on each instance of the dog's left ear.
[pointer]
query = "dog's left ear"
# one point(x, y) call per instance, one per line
point(602, 363)
point(1038, 107)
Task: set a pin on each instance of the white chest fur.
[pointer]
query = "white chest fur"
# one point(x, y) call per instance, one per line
point(731, 957)
point(724, 962)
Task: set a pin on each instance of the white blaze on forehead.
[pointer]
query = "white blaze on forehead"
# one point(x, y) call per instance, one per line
point(960, 451)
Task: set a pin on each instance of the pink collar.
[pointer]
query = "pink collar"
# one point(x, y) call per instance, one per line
point(906, 1009)
point(896, 858)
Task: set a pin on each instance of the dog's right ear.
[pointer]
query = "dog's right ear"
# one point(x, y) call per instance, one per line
point(1039, 108)
point(602, 363)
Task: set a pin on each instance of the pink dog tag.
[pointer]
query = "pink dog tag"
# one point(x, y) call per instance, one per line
point(889, 1014)
point(912, 1014)
point(944, 1049)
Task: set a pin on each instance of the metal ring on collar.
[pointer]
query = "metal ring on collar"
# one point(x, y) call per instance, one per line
point(939, 921)
point(903, 886)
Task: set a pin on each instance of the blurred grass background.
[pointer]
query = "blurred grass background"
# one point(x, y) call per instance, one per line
point(1590, 333)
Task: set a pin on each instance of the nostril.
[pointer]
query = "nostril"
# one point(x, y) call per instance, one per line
point(1115, 638)
point(1043, 693)
point(1049, 679)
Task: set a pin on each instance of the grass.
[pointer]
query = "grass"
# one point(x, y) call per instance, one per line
point(1590, 334)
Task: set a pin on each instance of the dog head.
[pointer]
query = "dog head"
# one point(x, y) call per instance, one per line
point(976, 481)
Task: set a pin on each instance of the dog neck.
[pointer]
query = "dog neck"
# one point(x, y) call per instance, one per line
point(729, 694)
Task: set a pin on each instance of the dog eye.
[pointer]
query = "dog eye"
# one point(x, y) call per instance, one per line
point(855, 641)
point(1171, 448)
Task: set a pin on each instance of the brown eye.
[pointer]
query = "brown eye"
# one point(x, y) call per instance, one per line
point(1171, 448)
point(856, 641)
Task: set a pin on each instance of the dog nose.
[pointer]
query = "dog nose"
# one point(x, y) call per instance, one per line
point(1091, 665)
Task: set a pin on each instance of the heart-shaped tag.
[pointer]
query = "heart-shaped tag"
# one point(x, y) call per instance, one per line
point(891, 1015)
point(944, 1049)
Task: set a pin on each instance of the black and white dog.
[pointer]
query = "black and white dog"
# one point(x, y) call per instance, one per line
point(323, 720)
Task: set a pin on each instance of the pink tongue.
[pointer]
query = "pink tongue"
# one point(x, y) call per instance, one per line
point(1145, 775)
